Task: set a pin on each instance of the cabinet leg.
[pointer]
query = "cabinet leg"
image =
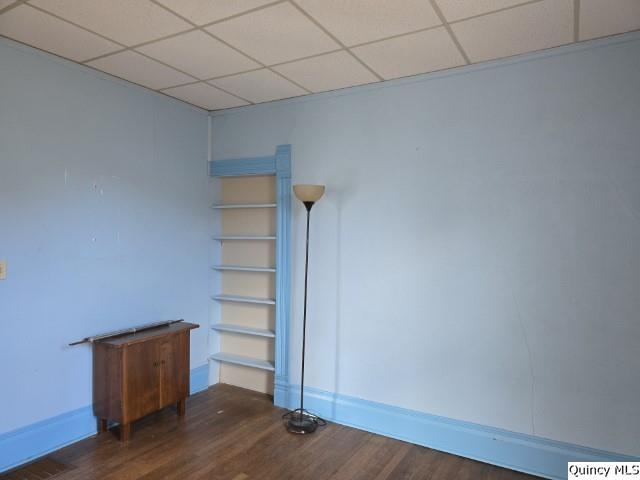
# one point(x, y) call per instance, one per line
point(125, 432)
point(182, 407)
point(102, 425)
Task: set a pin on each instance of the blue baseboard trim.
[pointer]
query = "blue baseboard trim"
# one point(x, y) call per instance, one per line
point(517, 451)
point(40, 438)
point(199, 379)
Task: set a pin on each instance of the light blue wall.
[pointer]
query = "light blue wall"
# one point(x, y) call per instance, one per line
point(477, 253)
point(104, 222)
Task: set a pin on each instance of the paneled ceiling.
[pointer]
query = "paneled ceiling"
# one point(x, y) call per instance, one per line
point(218, 54)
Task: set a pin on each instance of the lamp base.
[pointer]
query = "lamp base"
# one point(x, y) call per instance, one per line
point(302, 422)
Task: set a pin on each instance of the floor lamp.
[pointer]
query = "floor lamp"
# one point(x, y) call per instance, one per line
point(300, 420)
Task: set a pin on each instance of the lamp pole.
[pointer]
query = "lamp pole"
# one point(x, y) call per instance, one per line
point(300, 420)
point(308, 206)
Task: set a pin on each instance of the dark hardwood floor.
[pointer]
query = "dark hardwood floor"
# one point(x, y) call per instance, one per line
point(233, 434)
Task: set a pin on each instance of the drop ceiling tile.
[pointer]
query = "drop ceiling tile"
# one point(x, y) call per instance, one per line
point(259, 86)
point(205, 96)
point(275, 34)
point(459, 9)
point(327, 72)
point(420, 52)
point(535, 26)
point(141, 70)
point(199, 54)
point(206, 11)
point(600, 18)
point(43, 31)
point(125, 21)
point(360, 21)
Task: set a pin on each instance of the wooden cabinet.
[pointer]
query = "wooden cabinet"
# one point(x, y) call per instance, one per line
point(138, 374)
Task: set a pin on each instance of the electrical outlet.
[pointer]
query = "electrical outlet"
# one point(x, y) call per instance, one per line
point(3, 269)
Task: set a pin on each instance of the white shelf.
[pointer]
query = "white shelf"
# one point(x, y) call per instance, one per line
point(244, 237)
point(258, 332)
point(245, 205)
point(245, 361)
point(240, 299)
point(241, 268)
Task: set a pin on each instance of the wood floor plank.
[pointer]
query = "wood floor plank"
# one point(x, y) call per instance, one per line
point(229, 433)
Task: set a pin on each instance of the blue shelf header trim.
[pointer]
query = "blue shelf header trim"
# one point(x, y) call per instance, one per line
point(244, 166)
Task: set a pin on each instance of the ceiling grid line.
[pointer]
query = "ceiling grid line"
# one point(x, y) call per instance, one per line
point(143, 44)
point(194, 28)
point(124, 47)
point(308, 57)
point(338, 41)
point(449, 30)
point(393, 37)
point(316, 55)
point(289, 80)
point(166, 65)
point(11, 6)
point(196, 80)
point(222, 90)
point(100, 57)
point(204, 30)
point(240, 14)
point(187, 84)
point(491, 12)
point(226, 75)
point(148, 42)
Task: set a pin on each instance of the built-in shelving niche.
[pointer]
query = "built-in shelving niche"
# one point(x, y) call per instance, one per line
point(244, 323)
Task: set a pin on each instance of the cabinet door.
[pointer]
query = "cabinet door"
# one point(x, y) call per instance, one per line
point(174, 368)
point(142, 385)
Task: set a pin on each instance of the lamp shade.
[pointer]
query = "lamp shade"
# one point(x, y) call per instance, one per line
point(308, 193)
